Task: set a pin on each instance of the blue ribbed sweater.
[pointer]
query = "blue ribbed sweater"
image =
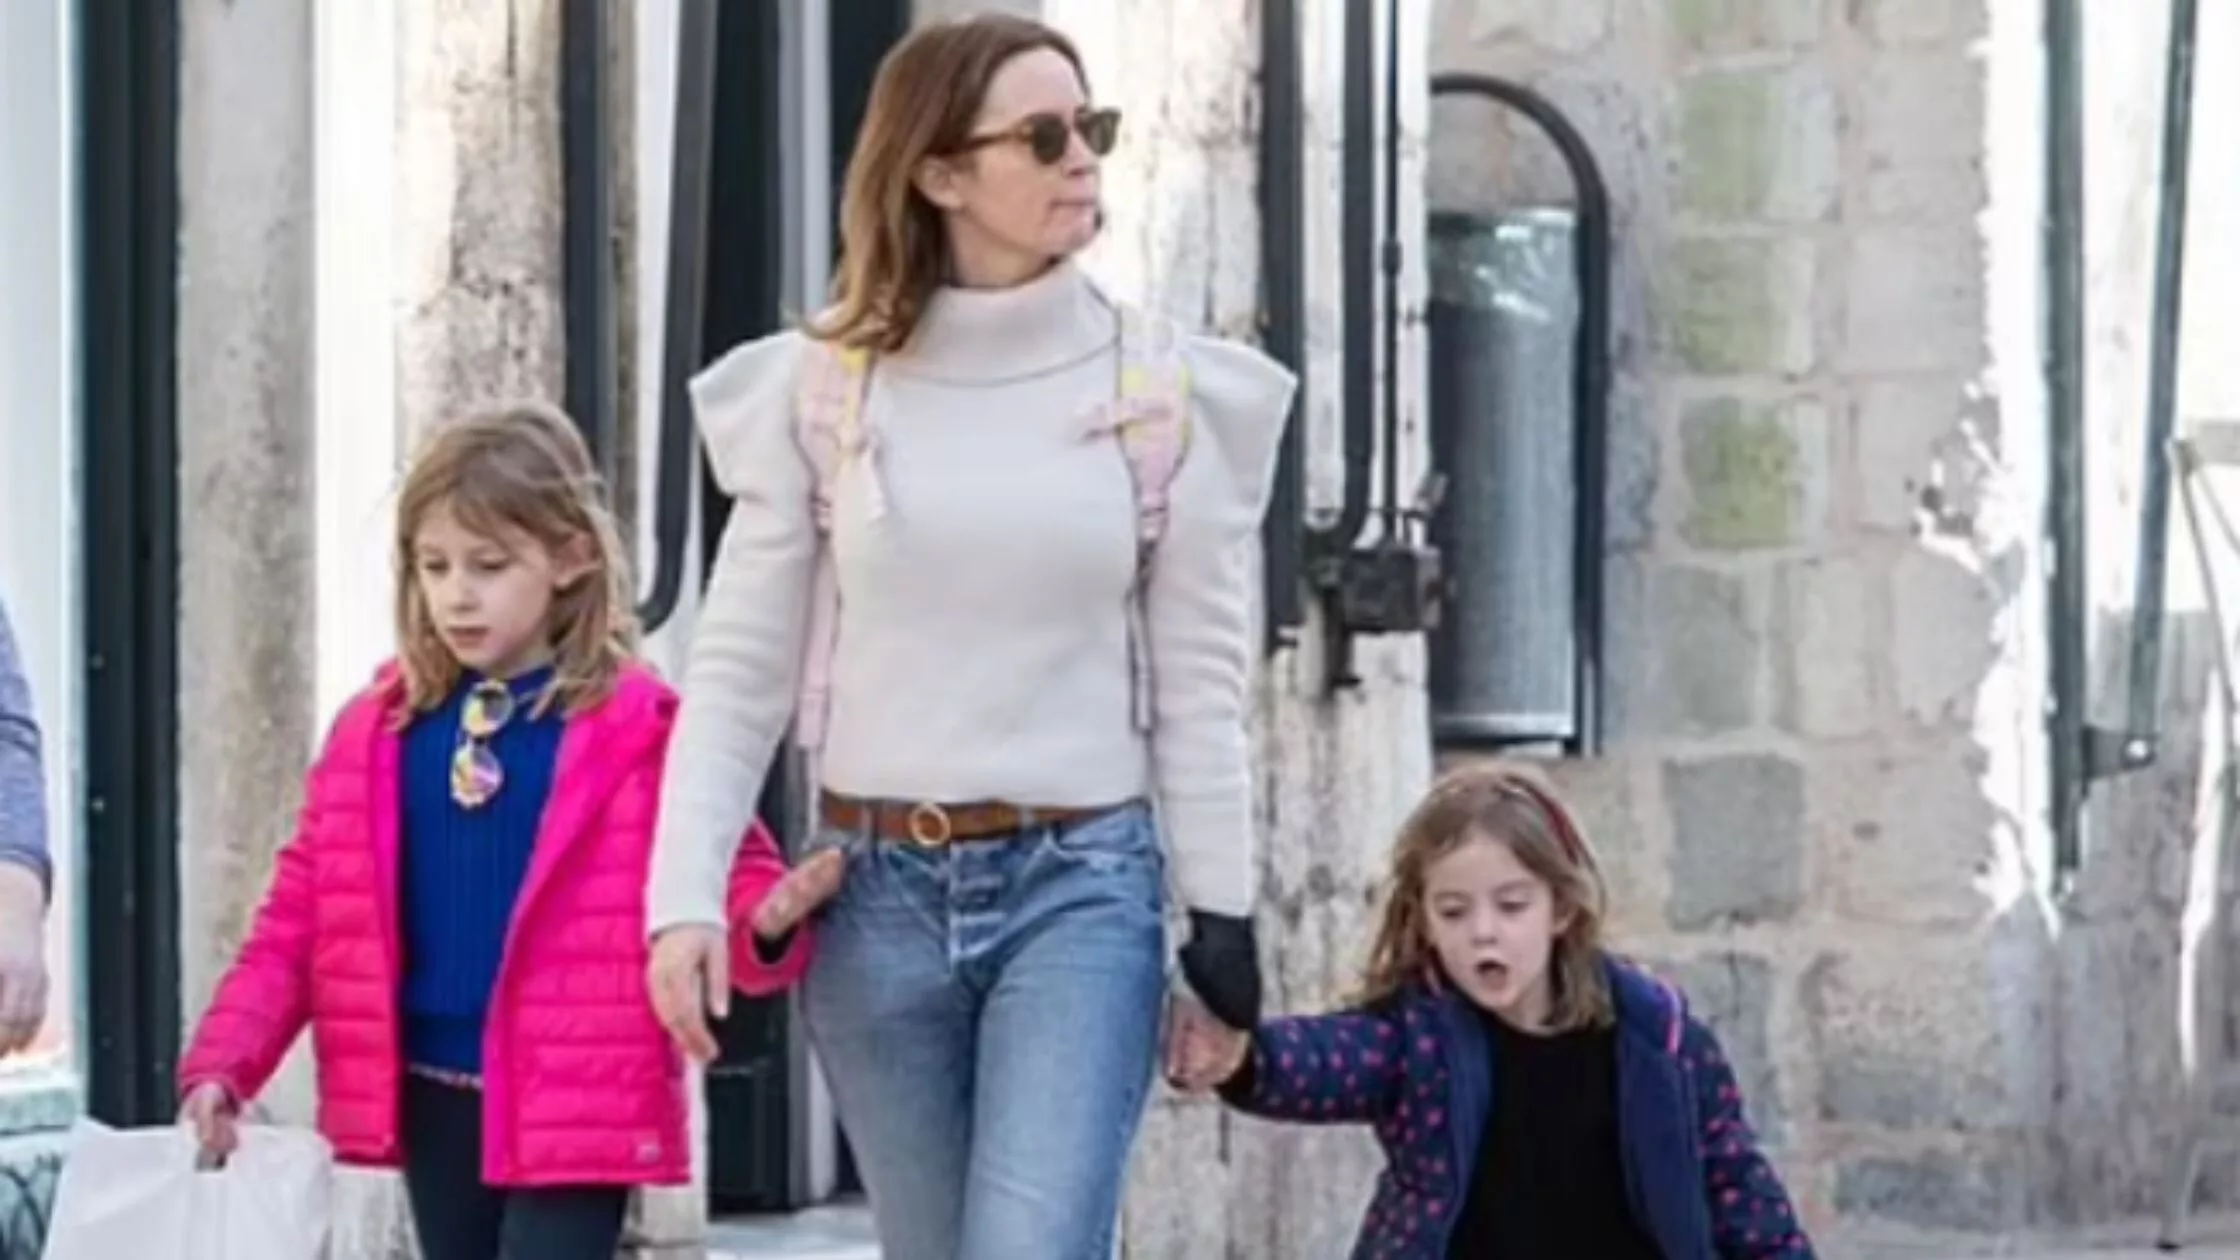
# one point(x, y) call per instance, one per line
point(463, 870)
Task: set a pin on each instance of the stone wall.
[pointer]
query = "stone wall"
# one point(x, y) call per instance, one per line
point(1819, 799)
point(1824, 801)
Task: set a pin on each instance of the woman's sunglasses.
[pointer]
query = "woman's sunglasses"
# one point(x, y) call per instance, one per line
point(1047, 135)
point(476, 774)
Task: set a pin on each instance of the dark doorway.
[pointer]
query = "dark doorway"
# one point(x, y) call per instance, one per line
point(755, 1088)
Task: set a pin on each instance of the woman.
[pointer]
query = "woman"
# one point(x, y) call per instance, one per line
point(989, 554)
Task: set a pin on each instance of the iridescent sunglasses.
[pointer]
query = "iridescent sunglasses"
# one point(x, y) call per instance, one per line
point(476, 774)
point(1046, 135)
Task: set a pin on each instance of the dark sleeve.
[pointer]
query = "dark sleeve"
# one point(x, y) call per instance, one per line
point(1751, 1216)
point(1343, 1068)
point(23, 786)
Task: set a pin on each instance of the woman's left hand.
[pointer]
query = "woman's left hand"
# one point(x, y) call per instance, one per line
point(1202, 1052)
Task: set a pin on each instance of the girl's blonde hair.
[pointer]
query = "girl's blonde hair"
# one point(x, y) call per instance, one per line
point(1510, 804)
point(518, 466)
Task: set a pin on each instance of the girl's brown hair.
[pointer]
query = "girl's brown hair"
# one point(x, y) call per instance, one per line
point(1510, 804)
point(520, 466)
point(924, 101)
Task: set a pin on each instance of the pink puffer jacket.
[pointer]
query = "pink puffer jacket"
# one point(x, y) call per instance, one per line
point(580, 1083)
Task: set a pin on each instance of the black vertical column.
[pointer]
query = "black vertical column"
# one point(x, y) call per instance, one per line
point(749, 1087)
point(128, 103)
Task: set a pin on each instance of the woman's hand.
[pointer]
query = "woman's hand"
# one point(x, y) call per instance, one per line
point(1202, 1052)
point(689, 973)
point(210, 1109)
point(689, 977)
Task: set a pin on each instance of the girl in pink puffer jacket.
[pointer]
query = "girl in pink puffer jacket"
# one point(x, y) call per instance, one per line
point(460, 915)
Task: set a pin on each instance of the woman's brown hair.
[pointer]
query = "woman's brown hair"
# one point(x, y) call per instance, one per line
point(519, 466)
point(1510, 804)
point(924, 101)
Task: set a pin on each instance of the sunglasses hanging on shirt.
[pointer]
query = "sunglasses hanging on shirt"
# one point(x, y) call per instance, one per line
point(476, 773)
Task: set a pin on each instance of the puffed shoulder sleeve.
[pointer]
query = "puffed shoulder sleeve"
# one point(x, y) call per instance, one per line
point(738, 685)
point(1198, 612)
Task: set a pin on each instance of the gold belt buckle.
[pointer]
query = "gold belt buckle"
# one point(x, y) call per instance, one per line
point(929, 825)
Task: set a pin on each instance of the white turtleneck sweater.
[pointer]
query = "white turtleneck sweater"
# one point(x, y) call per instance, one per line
point(983, 643)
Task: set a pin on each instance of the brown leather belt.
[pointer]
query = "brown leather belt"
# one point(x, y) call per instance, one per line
point(930, 825)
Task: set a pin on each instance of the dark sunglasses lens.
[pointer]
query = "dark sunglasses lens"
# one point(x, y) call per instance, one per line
point(1047, 135)
point(1100, 128)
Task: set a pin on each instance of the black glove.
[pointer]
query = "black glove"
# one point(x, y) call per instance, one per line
point(1221, 962)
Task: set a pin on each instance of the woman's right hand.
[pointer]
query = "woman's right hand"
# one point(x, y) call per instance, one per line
point(689, 977)
point(210, 1109)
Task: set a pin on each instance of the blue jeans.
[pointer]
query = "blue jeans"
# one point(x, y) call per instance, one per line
point(988, 1016)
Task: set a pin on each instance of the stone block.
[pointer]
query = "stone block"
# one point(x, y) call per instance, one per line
point(1737, 840)
point(1921, 455)
point(1917, 127)
point(1757, 473)
point(1943, 636)
point(1714, 27)
point(1909, 835)
point(1162, 1211)
point(1691, 647)
point(1294, 1191)
point(1827, 636)
point(1570, 27)
point(1604, 802)
point(1758, 143)
point(1932, 1190)
point(1908, 23)
point(1738, 307)
point(1733, 994)
point(1913, 300)
point(1906, 1036)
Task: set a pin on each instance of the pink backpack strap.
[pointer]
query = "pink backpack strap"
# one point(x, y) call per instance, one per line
point(829, 424)
point(1151, 419)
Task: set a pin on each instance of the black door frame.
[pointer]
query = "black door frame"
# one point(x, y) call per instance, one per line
point(755, 1163)
point(128, 104)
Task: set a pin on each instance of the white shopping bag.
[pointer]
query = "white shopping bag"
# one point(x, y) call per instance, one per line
point(135, 1194)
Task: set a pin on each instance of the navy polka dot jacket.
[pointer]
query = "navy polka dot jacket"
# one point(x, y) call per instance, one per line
point(1418, 1067)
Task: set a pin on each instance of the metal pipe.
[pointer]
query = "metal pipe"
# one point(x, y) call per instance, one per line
point(2142, 726)
point(2063, 349)
point(692, 153)
point(128, 98)
point(588, 231)
point(1283, 284)
point(1590, 383)
point(1389, 258)
point(1357, 213)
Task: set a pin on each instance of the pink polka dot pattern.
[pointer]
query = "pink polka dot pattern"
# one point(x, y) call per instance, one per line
point(1392, 1067)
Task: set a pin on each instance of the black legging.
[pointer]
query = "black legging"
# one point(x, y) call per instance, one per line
point(459, 1218)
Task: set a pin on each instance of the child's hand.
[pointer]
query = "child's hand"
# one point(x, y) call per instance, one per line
point(211, 1110)
point(1202, 1052)
point(798, 895)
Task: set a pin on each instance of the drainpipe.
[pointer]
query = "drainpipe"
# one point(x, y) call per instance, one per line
point(2063, 351)
point(1283, 286)
point(588, 231)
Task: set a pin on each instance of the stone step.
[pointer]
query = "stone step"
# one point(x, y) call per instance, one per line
point(838, 1232)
